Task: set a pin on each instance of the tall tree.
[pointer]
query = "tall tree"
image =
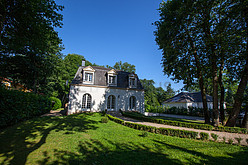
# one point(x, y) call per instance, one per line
point(27, 29)
point(125, 67)
point(177, 36)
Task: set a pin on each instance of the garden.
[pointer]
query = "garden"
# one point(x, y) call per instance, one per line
point(85, 139)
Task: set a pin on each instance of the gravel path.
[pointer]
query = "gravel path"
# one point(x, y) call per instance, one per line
point(220, 134)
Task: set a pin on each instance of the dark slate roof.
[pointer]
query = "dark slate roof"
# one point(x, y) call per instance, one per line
point(100, 77)
point(188, 98)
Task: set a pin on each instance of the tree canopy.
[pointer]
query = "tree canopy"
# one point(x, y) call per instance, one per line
point(206, 40)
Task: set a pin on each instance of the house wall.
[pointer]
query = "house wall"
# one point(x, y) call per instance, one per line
point(186, 105)
point(99, 98)
point(178, 105)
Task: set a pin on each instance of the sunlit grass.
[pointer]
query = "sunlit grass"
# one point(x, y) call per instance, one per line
point(83, 139)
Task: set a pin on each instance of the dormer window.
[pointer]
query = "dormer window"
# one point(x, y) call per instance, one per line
point(132, 81)
point(88, 77)
point(112, 78)
point(88, 73)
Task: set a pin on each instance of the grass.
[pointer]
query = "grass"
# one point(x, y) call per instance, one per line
point(83, 139)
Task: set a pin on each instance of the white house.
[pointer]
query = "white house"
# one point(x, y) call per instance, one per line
point(96, 89)
point(187, 100)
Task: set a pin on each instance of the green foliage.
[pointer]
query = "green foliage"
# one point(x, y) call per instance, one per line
point(214, 136)
point(16, 106)
point(204, 136)
point(124, 67)
point(29, 44)
point(224, 139)
point(185, 124)
point(168, 122)
point(230, 141)
point(55, 102)
point(164, 131)
point(104, 120)
point(239, 139)
point(144, 134)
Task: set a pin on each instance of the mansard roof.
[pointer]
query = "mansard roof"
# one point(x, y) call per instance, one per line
point(185, 97)
point(101, 74)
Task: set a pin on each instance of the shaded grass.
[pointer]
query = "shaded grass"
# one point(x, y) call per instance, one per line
point(83, 139)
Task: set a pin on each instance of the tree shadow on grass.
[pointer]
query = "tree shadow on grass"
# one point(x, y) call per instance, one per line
point(15, 142)
point(234, 158)
point(108, 152)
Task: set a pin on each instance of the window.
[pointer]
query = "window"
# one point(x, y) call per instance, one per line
point(88, 77)
point(132, 103)
point(111, 102)
point(86, 101)
point(112, 79)
point(132, 82)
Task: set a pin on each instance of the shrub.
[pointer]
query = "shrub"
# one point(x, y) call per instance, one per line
point(238, 140)
point(16, 106)
point(55, 102)
point(247, 141)
point(104, 120)
point(230, 141)
point(204, 136)
point(164, 131)
point(224, 139)
point(144, 134)
point(214, 136)
point(185, 124)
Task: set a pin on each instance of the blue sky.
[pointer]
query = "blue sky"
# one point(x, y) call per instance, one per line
point(107, 31)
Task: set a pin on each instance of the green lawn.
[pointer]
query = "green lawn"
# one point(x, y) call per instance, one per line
point(83, 139)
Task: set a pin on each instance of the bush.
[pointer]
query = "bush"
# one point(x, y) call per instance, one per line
point(214, 136)
point(185, 124)
point(55, 102)
point(224, 139)
point(230, 141)
point(247, 141)
point(104, 120)
point(167, 122)
point(164, 131)
point(238, 140)
point(16, 106)
point(144, 134)
point(204, 136)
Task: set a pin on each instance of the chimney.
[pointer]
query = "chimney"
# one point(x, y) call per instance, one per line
point(83, 63)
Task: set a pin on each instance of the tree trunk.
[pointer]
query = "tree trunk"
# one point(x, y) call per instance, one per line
point(222, 94)
point(243, 82)
point(244, 122)
point(215, 92)
point(238, 97)
point(201, 82)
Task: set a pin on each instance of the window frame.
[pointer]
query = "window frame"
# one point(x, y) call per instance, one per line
point(86, 101)
point(132, 103)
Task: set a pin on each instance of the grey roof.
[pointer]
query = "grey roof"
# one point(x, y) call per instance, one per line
point(100, 77)
point(185, 97)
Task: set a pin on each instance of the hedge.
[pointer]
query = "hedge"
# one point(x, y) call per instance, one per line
point(184, 124)
point(57, 103)
point(16, 106)
point(164, 131)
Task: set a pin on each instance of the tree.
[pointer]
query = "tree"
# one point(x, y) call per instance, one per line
point(177, 36)
point(27, 30)
point(150, 93)
point(200, 41)
point(125, 67)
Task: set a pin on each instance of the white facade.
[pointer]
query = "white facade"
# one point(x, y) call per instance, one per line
point(187, 105)
point(99, 98)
